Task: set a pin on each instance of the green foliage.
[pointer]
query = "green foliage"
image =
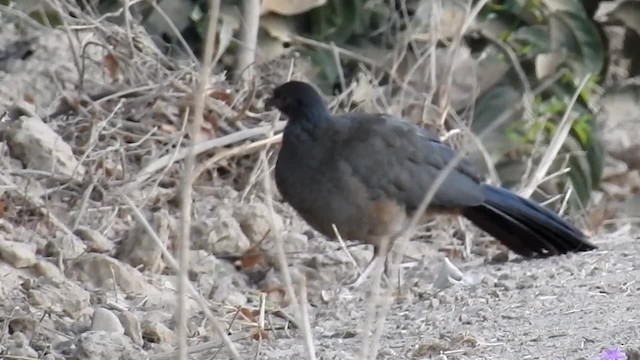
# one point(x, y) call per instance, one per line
point(39, 11)
point(340, 21)
point(343, 23)
point(552, 36)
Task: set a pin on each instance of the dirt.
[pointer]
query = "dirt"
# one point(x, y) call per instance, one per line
point(567, 307)
point(108, 293)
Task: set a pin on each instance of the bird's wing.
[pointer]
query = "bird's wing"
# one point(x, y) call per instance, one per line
point(396, 159)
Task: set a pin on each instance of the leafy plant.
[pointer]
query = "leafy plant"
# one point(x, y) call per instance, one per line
point(549, 37)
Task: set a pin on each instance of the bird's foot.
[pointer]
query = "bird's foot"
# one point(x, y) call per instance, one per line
point(363, 276)
point(359, 280)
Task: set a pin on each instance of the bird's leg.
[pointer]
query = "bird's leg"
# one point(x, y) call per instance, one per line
point(392, 266)
point(367, 270)
point(377, 256)
point(388, 265)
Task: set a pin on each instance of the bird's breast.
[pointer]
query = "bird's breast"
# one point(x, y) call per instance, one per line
point(326, 192)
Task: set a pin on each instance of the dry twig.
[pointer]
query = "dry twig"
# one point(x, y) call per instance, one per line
point(186, 189)
point(248, 37)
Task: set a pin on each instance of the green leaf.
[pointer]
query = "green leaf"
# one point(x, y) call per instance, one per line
point(327, 66)
point(535, 37)
point(492, 105)
point(585, 133)
point(577, 37)
point(496, 25)
point(572, 6)
point(340, 21)
point(47, 17)
point(529, 11)
point(580, 173)
point(489, 108)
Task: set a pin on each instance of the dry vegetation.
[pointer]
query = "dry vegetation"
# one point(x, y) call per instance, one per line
point(115, 155)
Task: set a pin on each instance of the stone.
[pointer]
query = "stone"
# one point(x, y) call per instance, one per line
point(105, 320)
point(295, 242)
point(23, 325)
point(59, 295)
point(47, 269)
point(17, 254)
point(102, 345)
point(38, 147)
point(131, 327)
point(18, 347)
point(95, 241)
point(157, 332)
point(254, 220)
point(100, 270)
point(139, 248)
point(225, 237)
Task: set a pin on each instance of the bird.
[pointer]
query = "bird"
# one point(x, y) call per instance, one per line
point(367, 173)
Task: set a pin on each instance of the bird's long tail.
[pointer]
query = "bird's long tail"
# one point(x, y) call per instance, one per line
point(525, 227)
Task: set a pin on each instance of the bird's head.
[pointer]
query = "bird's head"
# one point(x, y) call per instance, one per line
point(297, 100)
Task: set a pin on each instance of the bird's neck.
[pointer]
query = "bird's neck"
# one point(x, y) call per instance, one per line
point(307, 127)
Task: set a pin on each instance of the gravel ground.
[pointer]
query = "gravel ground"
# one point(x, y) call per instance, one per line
point(567, 307)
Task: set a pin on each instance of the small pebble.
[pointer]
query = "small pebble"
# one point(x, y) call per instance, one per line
point(464, 319)
point(506, 285)
point(105, 320)
point(525, 283)
point(435, 303)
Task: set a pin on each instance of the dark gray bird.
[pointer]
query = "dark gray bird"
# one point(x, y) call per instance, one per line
point(368, 173)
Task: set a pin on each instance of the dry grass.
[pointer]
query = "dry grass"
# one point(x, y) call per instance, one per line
point(186, 188)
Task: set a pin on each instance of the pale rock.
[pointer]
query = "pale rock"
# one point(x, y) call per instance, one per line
point(161, 348)
point(99, 271)
point(25, 235)
point(157, 332)
point(102, 345)
point(254, 220)
point(139, 248)
point(59, 295)
point(38, 147)
point(223, 237)
point(131, 326)
point(165, 297)
point(159, 316)
point(272, 280)
point(18, 255)
point(24, 325)
point(201, 262)
point(105, 320)
point(18, 347)
point(6, 227)
point(227, 237)
point(295, 242)
point(109, 169)
point(94, 240)
point(70, 246)
point(10, 278)
point(221, 289)
point(19, 339)
point(47, 269)
point(236, 298)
